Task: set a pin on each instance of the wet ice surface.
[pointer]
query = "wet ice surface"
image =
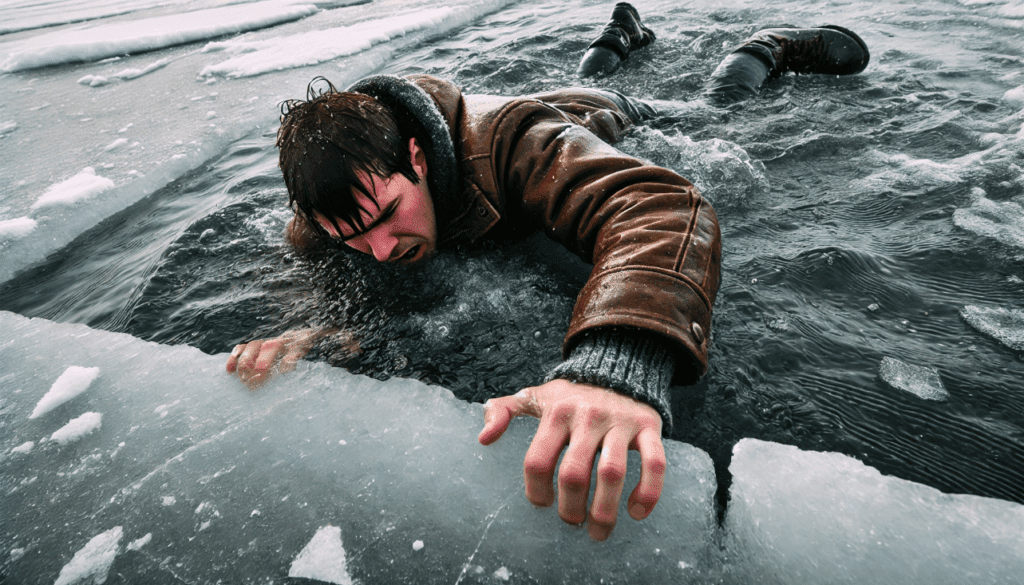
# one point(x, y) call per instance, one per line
point(831, 519)
point(921, 381)
point(236, 489)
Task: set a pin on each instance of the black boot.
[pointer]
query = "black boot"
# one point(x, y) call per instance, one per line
point(623, 34)
point(829, 49)
point(772, 52)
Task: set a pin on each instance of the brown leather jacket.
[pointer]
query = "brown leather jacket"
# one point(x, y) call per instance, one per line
point(544, 162)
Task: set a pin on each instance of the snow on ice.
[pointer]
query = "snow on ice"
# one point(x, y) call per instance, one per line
point(135, 36)
point(323, 559)
point(77, 428)
point(74, 381)
point(80, 187)
point(16, 228)
point(256, 57)
point(93, 561)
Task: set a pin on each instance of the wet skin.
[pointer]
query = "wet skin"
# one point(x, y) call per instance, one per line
point(580, 418)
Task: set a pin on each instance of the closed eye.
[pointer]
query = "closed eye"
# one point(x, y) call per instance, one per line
point(383, 217)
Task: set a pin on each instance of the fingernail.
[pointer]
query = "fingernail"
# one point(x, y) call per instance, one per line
point(235, 352)
point(637, 510)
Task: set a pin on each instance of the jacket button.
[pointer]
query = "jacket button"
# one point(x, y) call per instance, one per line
point(481, 211)
point(697, 332)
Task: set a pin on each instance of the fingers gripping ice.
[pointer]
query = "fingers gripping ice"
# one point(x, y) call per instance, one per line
point(584, 419)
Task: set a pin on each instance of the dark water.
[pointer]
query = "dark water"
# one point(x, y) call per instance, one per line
point(848, 235)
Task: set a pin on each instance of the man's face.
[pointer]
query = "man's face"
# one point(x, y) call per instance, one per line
point(400, 226)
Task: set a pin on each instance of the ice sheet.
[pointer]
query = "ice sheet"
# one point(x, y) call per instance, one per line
point(800, 517)
point(234, 483)
point(135, 36)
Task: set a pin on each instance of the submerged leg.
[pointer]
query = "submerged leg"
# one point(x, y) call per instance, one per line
point(621, 35)
point(770, 53)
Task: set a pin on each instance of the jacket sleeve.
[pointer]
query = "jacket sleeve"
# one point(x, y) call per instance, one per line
point(653, 240)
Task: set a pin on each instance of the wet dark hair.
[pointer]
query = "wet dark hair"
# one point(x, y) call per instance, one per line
point(326, 141)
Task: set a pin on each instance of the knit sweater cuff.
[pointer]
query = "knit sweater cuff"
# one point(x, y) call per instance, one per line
point(629, 362)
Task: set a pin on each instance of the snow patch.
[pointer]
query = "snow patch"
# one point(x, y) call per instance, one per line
point(136, 36)
point(82, 186)
point(276, 54)
point(77, 428)
point(323, 558)
point(24, 447)
point(70, 384)
point(93, 561)
point(20, 227)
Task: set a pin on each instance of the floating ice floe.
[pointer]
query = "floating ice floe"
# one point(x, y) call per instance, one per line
point(310, 48)
point(920, 381)
point(1002, 221)
point(77, 428)
point(70, 384)
point(92, 562)
point(82, 186)
point(1004, 325)
point(323, 559)
point(24, 447)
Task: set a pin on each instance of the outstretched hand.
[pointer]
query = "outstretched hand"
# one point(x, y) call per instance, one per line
point(586, 418)
point(254, 362)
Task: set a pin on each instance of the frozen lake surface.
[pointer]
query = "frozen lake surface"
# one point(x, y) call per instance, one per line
point(872, 305)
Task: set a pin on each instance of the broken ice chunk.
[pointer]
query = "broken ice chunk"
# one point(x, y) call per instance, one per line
point(137, 544)
point(1004, 325)
point(323, 558)
point(93, 560)
point(70, 384)
point(918, 380)
point(77, 428)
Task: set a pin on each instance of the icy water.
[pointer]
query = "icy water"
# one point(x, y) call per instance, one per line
point(861, 217)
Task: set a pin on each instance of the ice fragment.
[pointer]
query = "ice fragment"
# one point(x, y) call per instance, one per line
point(323, 558)
point(918, 380)
point(1004, 325)
point(92, 562)
point(137, 544)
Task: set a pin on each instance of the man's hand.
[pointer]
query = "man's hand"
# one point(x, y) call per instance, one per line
point(254, 361)
point(585, 418)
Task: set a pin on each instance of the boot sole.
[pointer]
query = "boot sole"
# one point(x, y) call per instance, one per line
point(855, 37)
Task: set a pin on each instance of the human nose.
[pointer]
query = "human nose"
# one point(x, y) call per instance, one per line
point(380, 243)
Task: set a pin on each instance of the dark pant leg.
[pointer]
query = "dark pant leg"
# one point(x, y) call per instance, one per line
point(739, 76)
point(637, 109)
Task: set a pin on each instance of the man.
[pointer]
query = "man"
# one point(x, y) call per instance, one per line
point(401, 167)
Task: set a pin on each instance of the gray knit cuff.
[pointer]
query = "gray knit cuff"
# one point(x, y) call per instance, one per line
point(630, 362)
